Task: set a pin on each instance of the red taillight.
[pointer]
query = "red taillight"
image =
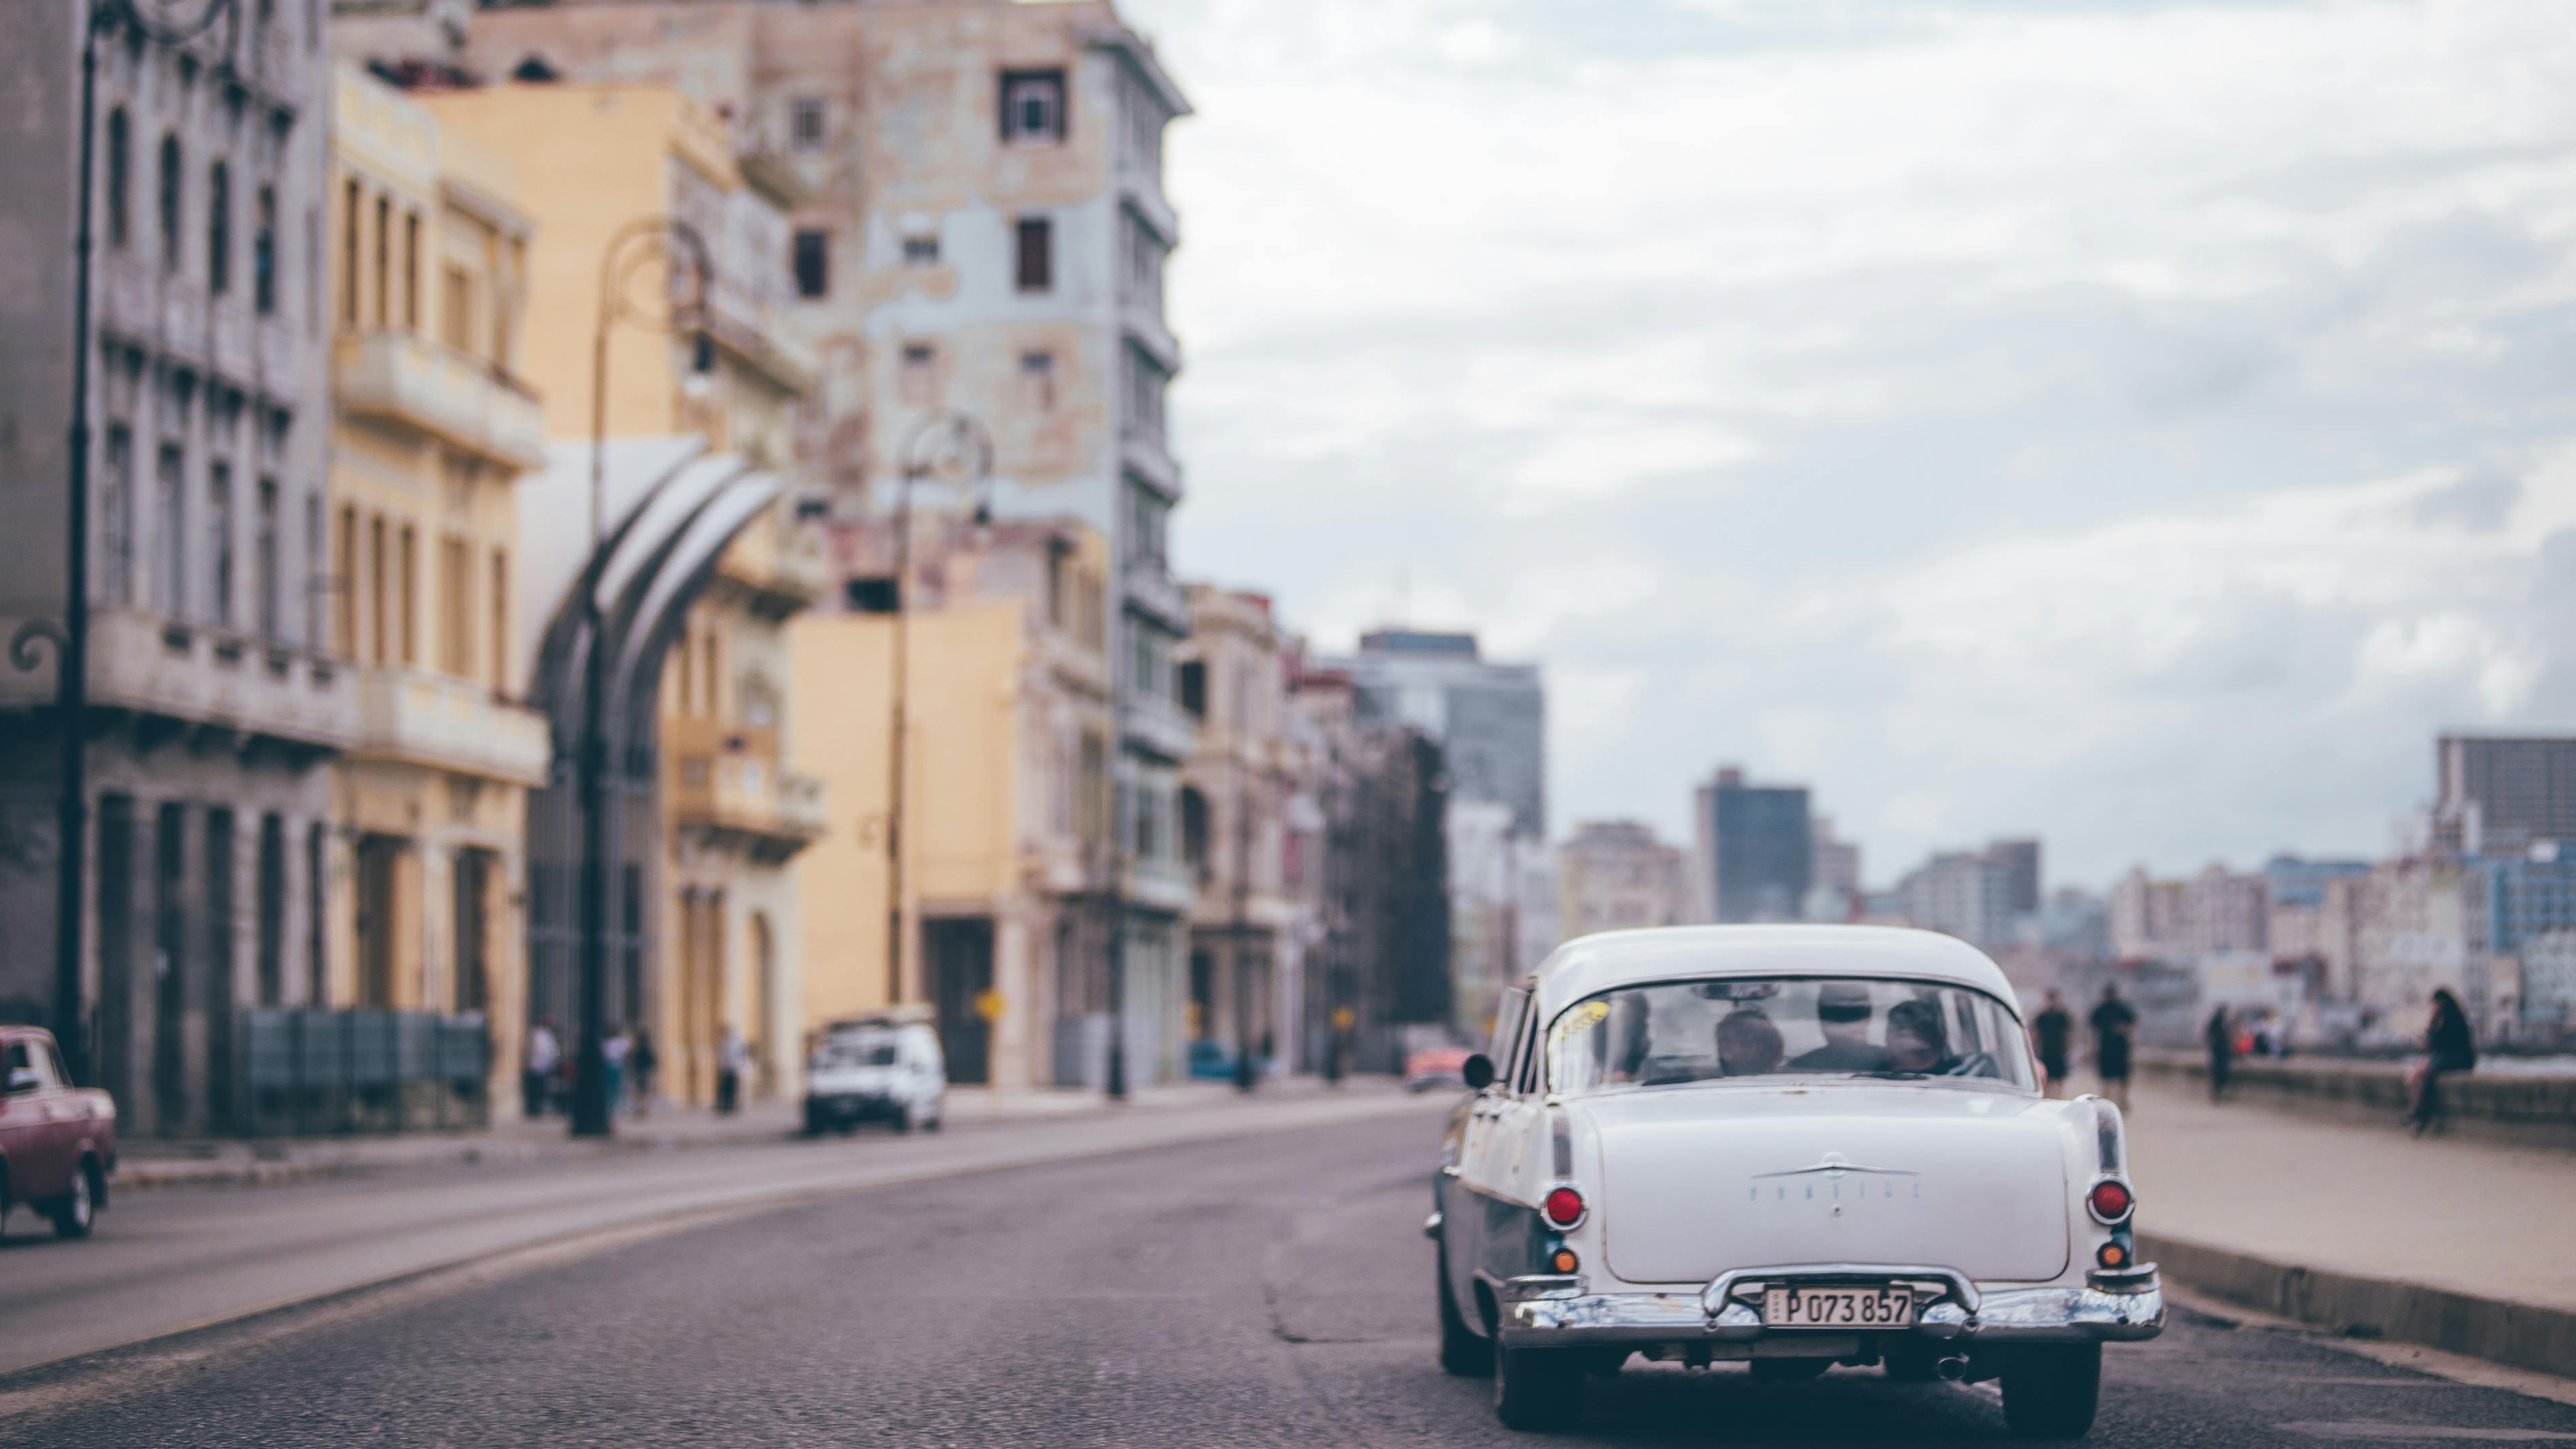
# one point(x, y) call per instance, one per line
point(1563, 1207)
point(2111, 1201)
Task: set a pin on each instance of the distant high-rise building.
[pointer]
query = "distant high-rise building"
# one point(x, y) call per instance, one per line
point(2498, 796)
point(1614, 875)
point(1490, 719)
point(1754, 848)
point(1831, 861)
point(2018, 862)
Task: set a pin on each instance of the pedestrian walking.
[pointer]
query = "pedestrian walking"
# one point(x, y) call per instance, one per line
point(2052, 1033)
point(2220, 1033)
point(2449, 1046)
point(642, 1062)
point(613, 1053)
point(2112, 1021)
point(733, 1058)
point(537, 1072)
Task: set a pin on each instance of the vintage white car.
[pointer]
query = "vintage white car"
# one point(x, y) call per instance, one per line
point(1795, 1146)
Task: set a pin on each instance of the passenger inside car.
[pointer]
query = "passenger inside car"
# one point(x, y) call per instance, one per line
point(1842, 1014)
point(1748, 1044)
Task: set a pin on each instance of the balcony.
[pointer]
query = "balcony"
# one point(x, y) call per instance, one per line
point(440, 722)
point(779, 565)
point(1160, 728)
point(454, 397)
point(1155, 884)
point(1153, 592)
point(214, 683)
point(728, 787)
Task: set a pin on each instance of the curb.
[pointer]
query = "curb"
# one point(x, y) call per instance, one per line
point(2522, 1335)
point(160, 1174)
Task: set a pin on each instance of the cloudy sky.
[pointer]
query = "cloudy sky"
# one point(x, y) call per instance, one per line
point(2141, 424)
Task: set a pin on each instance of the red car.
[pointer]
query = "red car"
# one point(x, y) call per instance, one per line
point(57, 1141)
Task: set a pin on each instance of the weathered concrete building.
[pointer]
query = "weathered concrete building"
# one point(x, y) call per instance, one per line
point(431, 432)
point(705, 563)
point(216, 701)
point(1247, 833)
point(983, 231)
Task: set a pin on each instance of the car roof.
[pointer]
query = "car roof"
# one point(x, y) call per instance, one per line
point(1589, 965)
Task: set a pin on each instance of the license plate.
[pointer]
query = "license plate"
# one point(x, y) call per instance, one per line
point(1871, 1306)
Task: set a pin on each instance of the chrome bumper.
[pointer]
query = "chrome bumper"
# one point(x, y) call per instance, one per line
point(1551, 1311)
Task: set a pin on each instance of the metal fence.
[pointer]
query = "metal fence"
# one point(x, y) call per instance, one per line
point(313, 1072)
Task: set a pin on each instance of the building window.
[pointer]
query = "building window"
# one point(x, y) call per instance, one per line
point(116, 516)
point(921, 250)
point(456, 309)
point(219, 228)
point(219, 538)
point(171, 182)
point(813, 261)
point(407, 585)
point(1037, 381)
point(456, 606)
point(1147, 520)
point(500, 621)
point(384, 261)
point(344, 585)
point(271, 948)
point(805, 123)
point(350, 211)
point(379, 619)
point(1032, 106)
point(263, 254)
point(263, 562)
point(411, 271)
point(1036, 269)
point(1145, 384)
point(120, 178)
point(919, 378)
point(170, 584)
point(1193, 677)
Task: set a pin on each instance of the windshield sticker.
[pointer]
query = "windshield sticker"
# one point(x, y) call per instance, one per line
point(1580, 1018)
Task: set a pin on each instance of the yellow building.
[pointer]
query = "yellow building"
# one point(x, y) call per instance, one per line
point(715, 925)
point(431, 432)
point(1006, 797)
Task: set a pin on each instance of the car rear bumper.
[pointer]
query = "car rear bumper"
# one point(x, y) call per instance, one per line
point(851, 1107)
point(1557, 1312)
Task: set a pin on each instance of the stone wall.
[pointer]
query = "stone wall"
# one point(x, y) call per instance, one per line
point(2522, 1109)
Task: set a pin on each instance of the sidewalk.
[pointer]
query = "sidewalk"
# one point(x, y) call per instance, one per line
point(2461, 1245)
point(149, 1164)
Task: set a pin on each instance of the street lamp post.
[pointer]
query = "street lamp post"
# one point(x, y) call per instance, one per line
point(634, 247)
point(942, 444)
point(68, 639)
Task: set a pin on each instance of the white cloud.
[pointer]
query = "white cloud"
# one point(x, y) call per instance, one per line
point(2005, 417)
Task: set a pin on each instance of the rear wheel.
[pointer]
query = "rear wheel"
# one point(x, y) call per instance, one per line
point(1462, 1353)
point(1538, 1390)
point(2052, 1393)
point(903, 1118)
point(76, 1211)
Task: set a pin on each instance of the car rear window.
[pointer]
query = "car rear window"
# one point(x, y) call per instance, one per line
point(1691, 1031)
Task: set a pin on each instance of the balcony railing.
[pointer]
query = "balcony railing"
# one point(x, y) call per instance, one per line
point(1160, 727)
point(164, 667)
point(453, 724)
point(731, 785)
point(460, 399)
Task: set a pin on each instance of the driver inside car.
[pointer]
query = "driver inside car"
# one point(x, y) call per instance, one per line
point(1842, 1014)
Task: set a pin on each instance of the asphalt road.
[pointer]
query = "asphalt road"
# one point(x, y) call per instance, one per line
point(1246, 1290)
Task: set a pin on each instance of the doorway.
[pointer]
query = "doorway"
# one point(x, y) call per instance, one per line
point(378, 857)
point(960, 954)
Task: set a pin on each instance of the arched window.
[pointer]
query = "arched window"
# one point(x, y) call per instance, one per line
point(172, 181)
point(120, 178)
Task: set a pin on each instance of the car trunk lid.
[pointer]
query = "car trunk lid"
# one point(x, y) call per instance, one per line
point(1698, 1180)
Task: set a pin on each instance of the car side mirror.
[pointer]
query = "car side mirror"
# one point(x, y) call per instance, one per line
point(1478, 1070)
point(24, 1079)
